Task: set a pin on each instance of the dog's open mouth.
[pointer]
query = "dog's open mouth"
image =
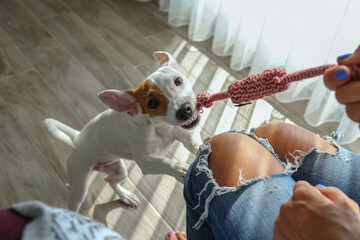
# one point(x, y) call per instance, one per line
point(192, 122)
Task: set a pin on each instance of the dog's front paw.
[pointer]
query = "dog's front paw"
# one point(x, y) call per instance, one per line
point(196, 145)
point(196, 148)
point(180, 171)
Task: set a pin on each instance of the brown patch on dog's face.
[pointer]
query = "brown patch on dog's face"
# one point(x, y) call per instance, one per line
point(151, 99)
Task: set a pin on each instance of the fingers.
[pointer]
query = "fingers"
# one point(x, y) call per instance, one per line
point(350, 93)
point(352, 59)
point(345, 85)
point(304, 191)
point(352, 110)
point(337, 76)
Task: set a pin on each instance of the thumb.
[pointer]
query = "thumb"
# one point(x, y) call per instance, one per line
point(336, 76)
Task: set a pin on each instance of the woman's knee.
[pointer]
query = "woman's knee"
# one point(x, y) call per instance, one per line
point(234, 152)
point(287, 139)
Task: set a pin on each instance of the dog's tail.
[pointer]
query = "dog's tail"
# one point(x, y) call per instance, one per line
point(61, 131)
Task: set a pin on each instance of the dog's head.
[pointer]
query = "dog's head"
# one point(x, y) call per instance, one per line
point(165, 95)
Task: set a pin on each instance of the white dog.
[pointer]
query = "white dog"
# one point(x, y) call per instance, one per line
point(140, 125)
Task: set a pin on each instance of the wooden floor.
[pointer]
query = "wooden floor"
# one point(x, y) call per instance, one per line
point(55, 57)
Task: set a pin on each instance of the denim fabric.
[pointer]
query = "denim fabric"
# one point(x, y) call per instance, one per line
point(249, 210)
point(341, 170)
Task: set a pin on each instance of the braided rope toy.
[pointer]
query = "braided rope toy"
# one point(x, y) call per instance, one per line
point(266, 83)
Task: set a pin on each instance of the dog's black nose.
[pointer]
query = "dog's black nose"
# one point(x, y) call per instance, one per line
point(184, 113)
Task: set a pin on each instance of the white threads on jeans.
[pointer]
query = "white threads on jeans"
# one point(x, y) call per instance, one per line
point(199, 194)
point(217, 191)
point(241, 180)
point(201, 167)
point(293, 167)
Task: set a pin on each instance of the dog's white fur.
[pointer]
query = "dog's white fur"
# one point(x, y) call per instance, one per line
point(129, 134)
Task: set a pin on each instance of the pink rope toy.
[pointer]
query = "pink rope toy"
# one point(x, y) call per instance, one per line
point(269, 82)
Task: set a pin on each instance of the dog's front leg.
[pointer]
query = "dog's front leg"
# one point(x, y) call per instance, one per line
point(190, 139)
point(154, 165)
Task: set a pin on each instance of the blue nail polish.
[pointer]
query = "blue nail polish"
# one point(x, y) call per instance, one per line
point(344, 56)
point(341, 74)
point(320, 185)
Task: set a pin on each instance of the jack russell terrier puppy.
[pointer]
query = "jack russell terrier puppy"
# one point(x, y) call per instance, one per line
point(140, 125)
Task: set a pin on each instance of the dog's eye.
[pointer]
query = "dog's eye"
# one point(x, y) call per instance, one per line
point(178, 81)
point(153, 103)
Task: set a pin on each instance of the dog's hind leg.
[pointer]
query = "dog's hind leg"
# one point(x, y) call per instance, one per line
point(61, 131)
point(78, 180)
point(117, 173)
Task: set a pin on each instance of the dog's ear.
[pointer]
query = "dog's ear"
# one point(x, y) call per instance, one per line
point(120, 101)
point(165, 59)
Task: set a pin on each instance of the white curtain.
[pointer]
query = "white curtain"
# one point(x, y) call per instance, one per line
point(279, 33)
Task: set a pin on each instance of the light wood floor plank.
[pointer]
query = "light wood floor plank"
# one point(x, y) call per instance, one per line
point(138, 16)
point(11, 59)
point(45, 8)
point(31, 101)
point(108, 66)
point(19, 24)
point(74, 85)
point(167, 41)
point(25, 173)
point(2, 103)
point(121, 35)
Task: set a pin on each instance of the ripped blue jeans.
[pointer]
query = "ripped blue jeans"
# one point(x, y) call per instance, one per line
point(249, 210)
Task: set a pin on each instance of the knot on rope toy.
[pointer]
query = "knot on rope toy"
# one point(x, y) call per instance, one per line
point(246, 90)
point(203, 100)
point(258, 86)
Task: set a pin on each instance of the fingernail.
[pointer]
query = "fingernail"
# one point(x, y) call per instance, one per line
point(171, 233)
point(344, 56)
point(341, 74)
point(320, 185)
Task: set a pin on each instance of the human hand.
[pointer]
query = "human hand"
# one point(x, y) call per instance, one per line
point(347, 92)
point(317, 213)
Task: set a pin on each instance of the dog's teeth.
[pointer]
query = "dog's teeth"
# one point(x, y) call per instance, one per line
point(191, 120)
